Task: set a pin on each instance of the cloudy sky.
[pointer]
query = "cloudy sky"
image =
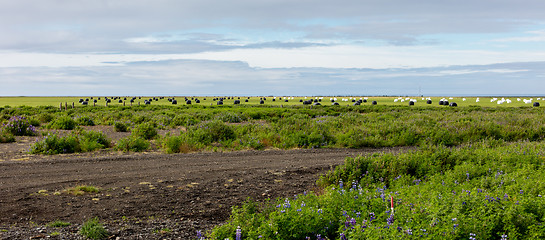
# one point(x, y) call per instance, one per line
point(271, 47)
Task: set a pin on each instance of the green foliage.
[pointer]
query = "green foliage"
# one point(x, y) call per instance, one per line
point(210, 132)
point(93, 229)
point(19, 126)
point(132, 144)
point(6, 137)
point(92, 140)
point(121, 127)
point(85, 121)
point(79, 141)
point(485, 190)
point(145, 130)
point(63, 122)
point(58, 223)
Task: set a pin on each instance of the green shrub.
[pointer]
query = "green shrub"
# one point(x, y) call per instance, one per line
point(53, 144)
point(145, 131)
point(64, 122)
point(93, 229)
point(132, 144)
point(6, 137)
point(20, 126)
point(45, 117)
point(209, 132)
point(85, 121)
point(92, 140)
point(121, 127)
point(79, 141)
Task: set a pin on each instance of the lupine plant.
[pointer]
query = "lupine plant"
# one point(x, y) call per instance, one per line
point(20, 126)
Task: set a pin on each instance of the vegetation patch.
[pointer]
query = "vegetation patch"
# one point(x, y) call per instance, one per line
point(78, 141)
point(93, 229)
point(132, 144)
point(487, 190)
point(83, 189)
point(58, 223)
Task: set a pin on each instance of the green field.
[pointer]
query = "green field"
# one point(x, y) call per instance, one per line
point(421, 101)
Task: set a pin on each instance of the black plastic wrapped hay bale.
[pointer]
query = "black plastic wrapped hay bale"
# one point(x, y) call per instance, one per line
point(374, 103)
point(220, 103)
point(429, 102)
point(317, 104)
point(411, 103)
point(335, 104)
point(536, 104)
point(446, 103)
point(174, 101)
point(453, 104)
point(441, 102)
point(261, 102)
point(356, 104)
point(197, 101)
point(245, 100)
point(236, 102)
point(364, 100)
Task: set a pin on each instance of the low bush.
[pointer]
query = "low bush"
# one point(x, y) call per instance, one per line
point(93, 229)
point(121, 127)
point(145, 130)
point(20, 126)
point(85, 121)
point(79, 141)
point(63, 122)
point(132, 144)
point(6, 137)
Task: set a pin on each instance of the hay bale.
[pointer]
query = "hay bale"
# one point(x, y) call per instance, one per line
point(188, 102)
point(441, 102)
point(446, 103)
point(364, 100)
point(453, 104)
point(335, 104)
point(317, 104)
point(536, 104)
point(197, 101)
point(245, 100)
point(429, 102)
point(274, 100)
point(374, 103)
point(356, 104)
point(120, 101)
point(80, 100)
point(300, 100)
point(353, 100)
point(285, 100)
point(236, 102)
point(261, 102)
point(95, 101)
point(85, 103)
point(220, 102)
point(411, 103)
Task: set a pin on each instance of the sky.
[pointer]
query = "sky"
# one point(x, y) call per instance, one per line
point(272, 47)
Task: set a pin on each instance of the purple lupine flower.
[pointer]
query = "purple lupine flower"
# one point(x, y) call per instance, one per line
point(504, 237)
point(343, 237)
point(238, 233)
point(199, 234)
point(472, 236)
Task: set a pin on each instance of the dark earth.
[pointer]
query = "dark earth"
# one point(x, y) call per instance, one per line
point(149, 195)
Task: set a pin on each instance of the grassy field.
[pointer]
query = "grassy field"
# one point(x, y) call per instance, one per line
point(391, 101)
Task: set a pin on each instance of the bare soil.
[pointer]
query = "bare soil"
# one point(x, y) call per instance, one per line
point(148, 195)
